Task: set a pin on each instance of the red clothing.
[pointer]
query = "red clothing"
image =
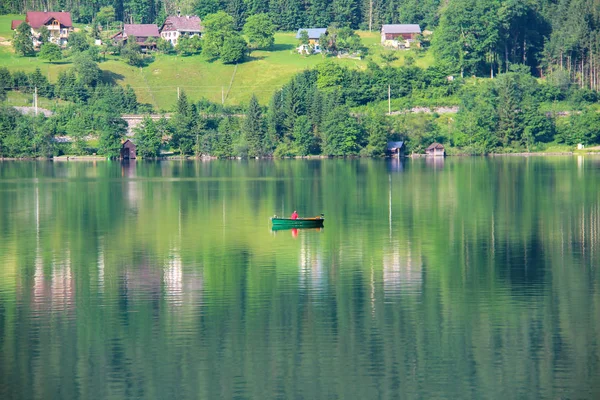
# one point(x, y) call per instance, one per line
point(294, 215)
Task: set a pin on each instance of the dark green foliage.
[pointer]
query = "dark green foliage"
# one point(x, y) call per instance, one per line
point(218, 27)
point(188, 127)
point(234, 49)
point(143, 11)
point(132, 53)
point(87, 71)
point(422, 12)
point(377, 129)
point(237, 9)
point(260, 31)
point(44, 35)
point(187, 46)
point(306, 142)
point(106, 15)
point(50, 52)
point(40, 81)
point(23, 40)
point(24, 135)
point(148, 138)
point(342, 134)
point(78, 41)
point(253, 129)
point(6, 79)
point(581, 128)
point(111, 132)
point(304, 39)
point(164, 46)
point(206, 7)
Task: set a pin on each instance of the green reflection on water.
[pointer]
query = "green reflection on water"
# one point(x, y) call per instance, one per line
point(450, 278)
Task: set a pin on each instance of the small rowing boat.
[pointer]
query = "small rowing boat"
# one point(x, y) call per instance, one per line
point(283, 223)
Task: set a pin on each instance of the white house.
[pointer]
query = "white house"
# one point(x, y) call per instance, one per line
point(176, 26)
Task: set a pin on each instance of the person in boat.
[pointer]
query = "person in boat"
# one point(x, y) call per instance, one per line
point(294, 215)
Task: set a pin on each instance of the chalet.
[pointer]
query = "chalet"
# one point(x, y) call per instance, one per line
point(176, 26)
point(395, 148)
point(314, 34)
point(143, 34)
point(59, 25)
point(400, 36)
point(436, 150)
point(128, 150)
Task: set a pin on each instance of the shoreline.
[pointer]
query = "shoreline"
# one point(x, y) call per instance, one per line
point(65, 158)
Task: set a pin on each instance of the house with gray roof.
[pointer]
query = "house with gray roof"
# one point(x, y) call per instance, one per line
point(400, 35)
point(395, 148)
point(313, 34)
point(176, 26)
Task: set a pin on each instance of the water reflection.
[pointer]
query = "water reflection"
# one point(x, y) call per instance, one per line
point(453, 280)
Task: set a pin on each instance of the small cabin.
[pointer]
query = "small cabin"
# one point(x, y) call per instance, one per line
point(395, 148)
point(128, 150)
point(145, 35)
point(314, 34)
point(435, 149)
point(400, 35)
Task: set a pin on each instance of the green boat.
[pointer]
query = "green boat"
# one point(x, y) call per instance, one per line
point(284, 223)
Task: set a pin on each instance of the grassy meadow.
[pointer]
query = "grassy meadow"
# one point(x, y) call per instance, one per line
point(263, 73)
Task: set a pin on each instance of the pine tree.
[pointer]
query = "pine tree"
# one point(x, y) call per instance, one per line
point(253, 128)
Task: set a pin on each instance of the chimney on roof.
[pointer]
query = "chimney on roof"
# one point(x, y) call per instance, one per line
point(187, 16)
point(179, 13)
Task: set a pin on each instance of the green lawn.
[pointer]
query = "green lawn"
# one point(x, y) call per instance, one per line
point(263, 73)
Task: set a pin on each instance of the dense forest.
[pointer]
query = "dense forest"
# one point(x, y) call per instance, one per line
point(472, 37)
point(330, 110)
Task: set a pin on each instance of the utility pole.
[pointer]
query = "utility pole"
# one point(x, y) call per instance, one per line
point(222, 96)
point(177, 92)
point(35, 101)
point(389, 100)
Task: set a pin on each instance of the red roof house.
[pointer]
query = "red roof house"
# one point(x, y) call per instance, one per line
point(59, 24)
point(36, 19)
point(141, 32)
point(399, 35)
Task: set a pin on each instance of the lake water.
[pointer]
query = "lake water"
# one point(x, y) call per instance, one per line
point(456, 278)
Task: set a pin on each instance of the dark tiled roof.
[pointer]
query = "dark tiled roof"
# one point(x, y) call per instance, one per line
point(313, 33)
point(186, 24)
point(435, 146)
point(38, 18)
point(141, 30)
point(401, 28)
point(394, 145)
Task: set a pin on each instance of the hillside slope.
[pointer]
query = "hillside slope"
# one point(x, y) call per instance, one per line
point(263, 73)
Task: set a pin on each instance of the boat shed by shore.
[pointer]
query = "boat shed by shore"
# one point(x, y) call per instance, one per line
point(395, 148)
point(436, 149)
point(128, 150)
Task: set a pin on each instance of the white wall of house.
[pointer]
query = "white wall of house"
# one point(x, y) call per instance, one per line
point(58, 35)
point(172, 36)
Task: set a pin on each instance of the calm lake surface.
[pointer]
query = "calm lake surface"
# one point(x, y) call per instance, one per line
point(456, 278)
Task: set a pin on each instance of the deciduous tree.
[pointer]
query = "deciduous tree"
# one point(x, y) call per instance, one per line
point(23, 40)
point(260, 31)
